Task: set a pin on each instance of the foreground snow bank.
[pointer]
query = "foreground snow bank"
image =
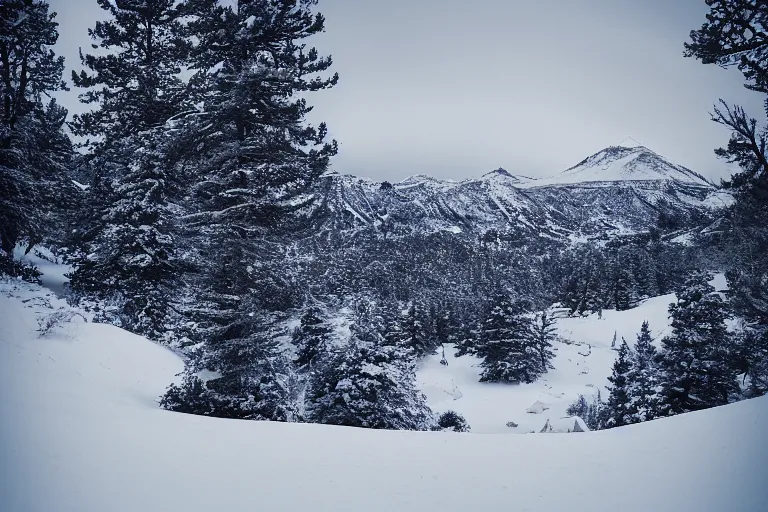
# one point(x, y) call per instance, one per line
point(80, 431)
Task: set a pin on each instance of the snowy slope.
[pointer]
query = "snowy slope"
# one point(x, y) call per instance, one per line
point(617, 190)
point(582, 364)
point(620, 163)
point(81, 433)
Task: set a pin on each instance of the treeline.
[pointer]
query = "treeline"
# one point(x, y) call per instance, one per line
point(700, 364)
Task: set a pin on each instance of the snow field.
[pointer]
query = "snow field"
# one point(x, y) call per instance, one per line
point(81, 432)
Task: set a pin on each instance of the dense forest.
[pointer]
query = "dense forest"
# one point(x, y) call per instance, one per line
point(186, 201)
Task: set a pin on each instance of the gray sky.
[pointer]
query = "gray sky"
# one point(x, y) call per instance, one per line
point(455, 88)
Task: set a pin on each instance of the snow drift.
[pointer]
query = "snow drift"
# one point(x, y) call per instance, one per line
point(81, 432)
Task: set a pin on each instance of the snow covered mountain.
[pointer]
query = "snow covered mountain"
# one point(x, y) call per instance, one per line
point(619, 189)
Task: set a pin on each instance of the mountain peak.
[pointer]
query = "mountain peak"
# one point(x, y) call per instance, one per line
point(626, 162)
point(507, 176)
point(630, 142)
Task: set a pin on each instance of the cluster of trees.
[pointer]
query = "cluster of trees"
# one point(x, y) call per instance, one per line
point(515, 344)
point(700, 364)
point(367, 379)
point(621, 273)
point(734, 35)
point(35, 153)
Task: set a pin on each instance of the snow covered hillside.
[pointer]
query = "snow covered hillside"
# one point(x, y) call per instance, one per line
point(582, 365)
point(81, 432)
point(619, 189)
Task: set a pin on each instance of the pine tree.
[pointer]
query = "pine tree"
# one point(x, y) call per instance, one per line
point(311, 338)
point(754, 350)
point(254, 156)
point(415, 332)
point(126, 242)
point(252, 376)
point(134, 84)
point(697, 358)
point(643, 379)
point(467, 339)
point(624, 286)
point(34, 151)
point(644, 271)
point(508, 345)
point(545, 335)
point(367, 384)
point(127, 248)
point(618, 404)
point(452, 421)
point(258, 153)
point(734, 36)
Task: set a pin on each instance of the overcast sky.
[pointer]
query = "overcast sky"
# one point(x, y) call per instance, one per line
point(455, 88)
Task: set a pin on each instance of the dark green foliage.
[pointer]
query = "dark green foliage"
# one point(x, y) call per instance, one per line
point(545, 334)
point(251, 375)
point(643, 379)
point(625, 288)
point(255, 151)
point(367, 384)
point(416, 333)
point(508, 344)
point(34, 151)
point(467, 339)
point(451, 420)
point(697, 361)
point(617, 407)
point(735, 35)
point(753, 360)
point(13, 268)
point(191, 397)
point(134, 85)
point(127, 251)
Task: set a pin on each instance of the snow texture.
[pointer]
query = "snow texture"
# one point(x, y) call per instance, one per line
point(81, 431)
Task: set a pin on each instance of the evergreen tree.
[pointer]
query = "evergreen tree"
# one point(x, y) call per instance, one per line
point(452, 421)
point(545, 335)
point(644, 271)
point(643, 379)
point(468, 339)
point(617, 408)
point(257, 152)
point(127, 241)
point(415, 332)
point(697, 358)
point(254, 155)
point(367, 384)
point(252, 376)
point(734, 35)
point(508, 345)
point(311, 338)
point(134, 84)
point(34, 151)
point(753, 359)
point(624, 286)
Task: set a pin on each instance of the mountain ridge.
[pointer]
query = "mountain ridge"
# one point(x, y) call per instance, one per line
point(616, 190)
